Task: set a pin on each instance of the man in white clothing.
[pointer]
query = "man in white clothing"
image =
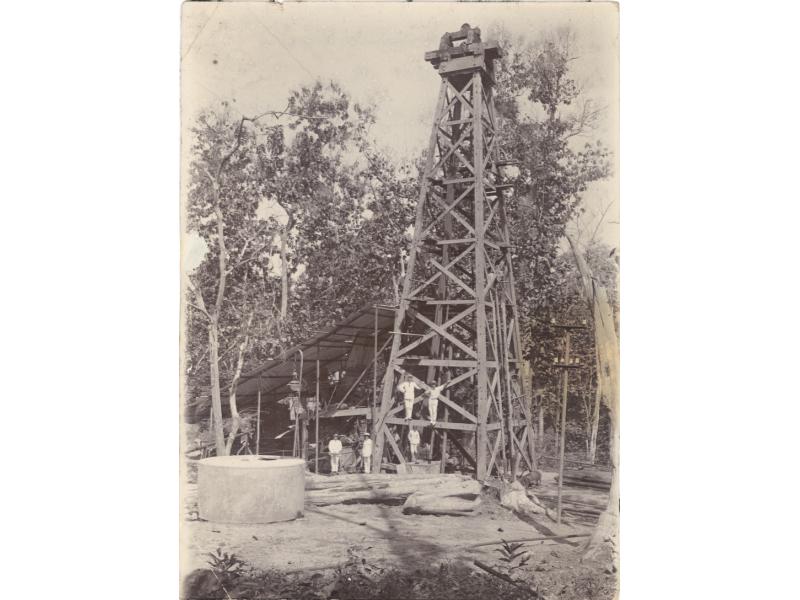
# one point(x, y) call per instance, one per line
point(413, 440)
point(366, 453)
point(407, 388)
point(433, 402)
point(335, 448)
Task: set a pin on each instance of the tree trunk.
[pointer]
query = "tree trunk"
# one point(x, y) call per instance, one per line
point(607, 347)
point(216, 396)
point(235, 418)
point(541, 423)
point(284, 275)
point(595, 415)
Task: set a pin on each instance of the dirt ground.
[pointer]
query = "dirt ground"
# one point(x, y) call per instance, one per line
point(328, 536)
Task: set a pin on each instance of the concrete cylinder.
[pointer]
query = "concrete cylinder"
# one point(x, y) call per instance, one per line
point(250, 489)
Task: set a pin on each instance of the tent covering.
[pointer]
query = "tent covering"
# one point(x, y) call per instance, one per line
point(334, 348)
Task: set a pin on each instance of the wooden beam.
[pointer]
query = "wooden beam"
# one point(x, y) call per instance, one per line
point(450, 302)
point(394, 446)
point(425, 423)
point(464, 452)
point(433, 278)
point(447, 208)
point(456, 241)
point(431, 334)
point(442, 331)
point(480, 285)
point(453, 277)
point(444, 398)
point(493, 456)
point(364, 372)
point(348, 412)
point(451, 210)
point(444, 362)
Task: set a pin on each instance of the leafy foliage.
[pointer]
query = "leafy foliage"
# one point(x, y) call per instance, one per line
point(547, 123)
point(513, 555)
point(226, 568)
point(315, 178)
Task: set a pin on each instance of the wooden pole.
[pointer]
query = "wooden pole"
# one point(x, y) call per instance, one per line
point(513, 457)
point(211, 419)
point(316, 424)
point(295, 452)
point(564, 394)
point(304, 448)
point(375, 365)
point(443, 443)
point(258, 421)
point(482, 441)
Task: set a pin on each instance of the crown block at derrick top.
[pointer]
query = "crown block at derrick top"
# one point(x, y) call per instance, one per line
point(472, 54)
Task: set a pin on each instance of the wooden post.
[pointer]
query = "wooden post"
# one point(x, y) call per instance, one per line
point(564, 394)
point(482, 442)
point(258, 420)
point(316, 424)
point(443, 443)
point(304, 437)
point(374, 365)
point(295, 452)
point(513, 456)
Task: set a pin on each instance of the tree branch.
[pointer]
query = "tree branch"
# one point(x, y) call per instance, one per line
point(196, 291)
point(600, 221)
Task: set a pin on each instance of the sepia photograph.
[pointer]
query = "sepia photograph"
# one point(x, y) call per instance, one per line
point(322, 300)
point(400, 301)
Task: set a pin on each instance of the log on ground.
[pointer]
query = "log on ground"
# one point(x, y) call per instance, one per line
point(374, 489)
point(456, 498)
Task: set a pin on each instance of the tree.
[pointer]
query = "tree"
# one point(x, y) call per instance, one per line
point(607, 345)
point(348, 209)
point(307, 161)
point(230, 288)
point(340, 198)
point(547, 123)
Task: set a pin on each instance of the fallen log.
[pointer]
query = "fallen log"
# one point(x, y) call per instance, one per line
point(378, 489)
point(599, 487)
point(322, 482)
point(570, 500)
point(454, 499)
point(592, 476)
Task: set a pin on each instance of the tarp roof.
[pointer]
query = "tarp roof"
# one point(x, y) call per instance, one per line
point(331, 346)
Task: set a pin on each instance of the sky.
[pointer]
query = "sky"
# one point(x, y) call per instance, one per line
point(253, 54)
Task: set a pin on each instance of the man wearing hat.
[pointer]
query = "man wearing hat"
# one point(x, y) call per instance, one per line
point(407, 388)
point(335, 449)
point(366, 453)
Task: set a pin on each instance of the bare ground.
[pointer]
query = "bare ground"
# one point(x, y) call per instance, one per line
point(327, 537)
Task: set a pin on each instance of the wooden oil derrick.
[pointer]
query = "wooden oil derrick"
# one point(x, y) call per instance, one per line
point(457, 320)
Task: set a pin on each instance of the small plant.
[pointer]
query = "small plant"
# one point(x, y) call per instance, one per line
point(513, 555)
point(225, 566)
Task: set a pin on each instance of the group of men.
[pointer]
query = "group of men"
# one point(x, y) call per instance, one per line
point(407, 387)
point(335, 450)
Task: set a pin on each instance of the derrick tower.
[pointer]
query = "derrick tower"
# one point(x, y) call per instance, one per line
point(457, 321)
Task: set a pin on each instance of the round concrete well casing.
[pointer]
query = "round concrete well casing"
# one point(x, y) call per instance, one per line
point(250, 489)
